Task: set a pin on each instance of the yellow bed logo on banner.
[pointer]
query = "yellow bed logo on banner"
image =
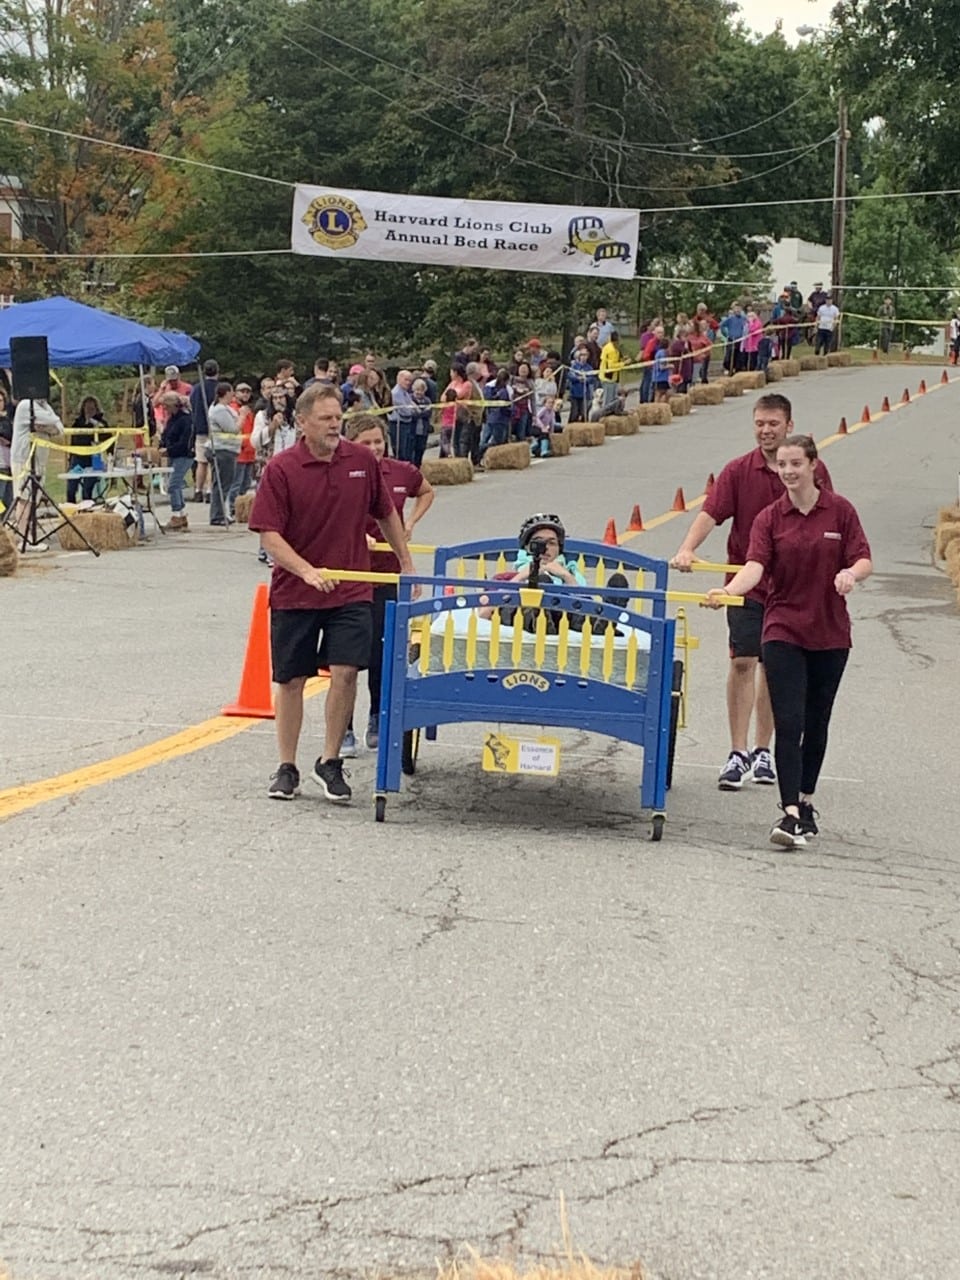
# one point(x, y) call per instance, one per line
point(526, 679)
point(539, 756)
point(334, 221)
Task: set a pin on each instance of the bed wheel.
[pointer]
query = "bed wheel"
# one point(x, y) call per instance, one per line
point(656, 827)
point(381, 808)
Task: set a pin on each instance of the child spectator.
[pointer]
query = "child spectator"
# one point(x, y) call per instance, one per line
point(661, 370)
point(522, 386)
point(583, 382)
point(700, 346)
point(496, 428)
point(420, 428)
point(544, 423)
point(448, 421)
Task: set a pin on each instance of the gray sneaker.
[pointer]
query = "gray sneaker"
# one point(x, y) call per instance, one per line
point(328, 775)
point(348, 748)
point(734, 772)
point(761, 764)
point(372, 737)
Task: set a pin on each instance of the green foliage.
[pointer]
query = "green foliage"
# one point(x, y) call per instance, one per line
point(888, 246)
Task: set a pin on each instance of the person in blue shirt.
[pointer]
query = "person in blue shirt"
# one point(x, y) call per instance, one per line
point(733, 327)
point(662, 368)
point(582, 381)
point(496, 427)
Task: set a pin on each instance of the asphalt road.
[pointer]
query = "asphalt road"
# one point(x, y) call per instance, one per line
point(248, 1039)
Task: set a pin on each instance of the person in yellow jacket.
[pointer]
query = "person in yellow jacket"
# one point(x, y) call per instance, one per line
point(611, 363)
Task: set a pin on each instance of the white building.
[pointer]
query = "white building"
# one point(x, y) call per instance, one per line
point(794, 259)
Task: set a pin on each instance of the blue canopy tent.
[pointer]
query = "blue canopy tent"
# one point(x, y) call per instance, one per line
point(80, 335)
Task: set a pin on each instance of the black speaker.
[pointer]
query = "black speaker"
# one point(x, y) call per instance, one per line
point(30, 368)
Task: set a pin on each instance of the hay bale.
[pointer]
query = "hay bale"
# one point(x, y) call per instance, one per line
point(751, 379)
point(679, 404)
point(808, 363)
point(9, 555)
point(731, 387)
point(706, 393)
point(823, 362)
point(654, 415)
point(774, 373)
point(839, 360)
point(945, 536)
point(507, 457)
point(948, 515)
point(241, 508)
point(791, 368)
point(953, 562)
point(560, 444)
point(586, 435)
point(104, 530)
point(613, 422)
point(447, 470)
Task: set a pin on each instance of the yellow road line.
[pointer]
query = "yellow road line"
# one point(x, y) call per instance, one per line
point(206, 734)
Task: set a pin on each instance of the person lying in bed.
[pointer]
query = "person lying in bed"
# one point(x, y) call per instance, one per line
point(544, 536)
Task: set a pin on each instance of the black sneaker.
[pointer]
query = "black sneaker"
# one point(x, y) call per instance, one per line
point(788, 833)
point(761, 763)
point(328, 775)
point(372, 737)
point(734, 771)
point(285, 783)
point(808, 819)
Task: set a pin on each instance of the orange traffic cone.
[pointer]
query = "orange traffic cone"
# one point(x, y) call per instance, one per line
point(922, 389)
point(905, 398)
point(885, 407)
point(944, 377)
point(679, 502)
point(636, 521)
point(610, 534)
point(255, 698)
point(842, 429)
point(865, 416)
point(711, 481)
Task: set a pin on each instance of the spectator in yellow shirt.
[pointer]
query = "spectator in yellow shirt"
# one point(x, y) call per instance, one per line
point(611, 363)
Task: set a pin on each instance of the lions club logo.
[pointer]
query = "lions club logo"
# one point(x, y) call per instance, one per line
point(334, 221)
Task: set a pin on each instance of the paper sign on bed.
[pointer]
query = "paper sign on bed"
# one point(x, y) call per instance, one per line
point(539, 756)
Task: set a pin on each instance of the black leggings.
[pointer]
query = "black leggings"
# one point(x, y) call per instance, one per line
point(803, 684)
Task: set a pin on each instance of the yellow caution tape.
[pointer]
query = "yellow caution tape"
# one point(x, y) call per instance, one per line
point(82, 450)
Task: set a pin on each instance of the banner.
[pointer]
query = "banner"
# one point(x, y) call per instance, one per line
point(386, 227)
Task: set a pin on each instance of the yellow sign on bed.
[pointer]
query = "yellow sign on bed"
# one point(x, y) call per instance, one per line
point(539, 756)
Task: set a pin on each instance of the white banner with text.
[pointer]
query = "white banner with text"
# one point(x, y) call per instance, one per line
point(334, 223)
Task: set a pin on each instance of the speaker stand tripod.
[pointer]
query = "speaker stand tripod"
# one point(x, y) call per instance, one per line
point(31, 493)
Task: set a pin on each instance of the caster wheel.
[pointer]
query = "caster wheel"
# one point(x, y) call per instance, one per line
point(381, 808)
point(656, 830)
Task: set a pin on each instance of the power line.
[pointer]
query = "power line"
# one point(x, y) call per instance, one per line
point(663, 149)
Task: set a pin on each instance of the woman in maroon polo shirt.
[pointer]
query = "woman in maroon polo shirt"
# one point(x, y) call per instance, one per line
point(811, 547)
point(403, 481)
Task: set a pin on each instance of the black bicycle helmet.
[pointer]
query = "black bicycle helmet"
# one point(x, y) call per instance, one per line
point(541, 521)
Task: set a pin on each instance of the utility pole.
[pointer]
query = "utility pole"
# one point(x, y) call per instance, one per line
point(839, 207)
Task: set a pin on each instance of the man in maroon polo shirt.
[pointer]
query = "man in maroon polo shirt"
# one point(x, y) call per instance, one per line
point(311, 511)
point(743, 489)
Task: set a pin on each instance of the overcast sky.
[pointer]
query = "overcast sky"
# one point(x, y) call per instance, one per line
point(761, 15)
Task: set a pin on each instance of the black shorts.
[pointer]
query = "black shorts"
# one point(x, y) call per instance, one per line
point(745, 625)
point(301, 640)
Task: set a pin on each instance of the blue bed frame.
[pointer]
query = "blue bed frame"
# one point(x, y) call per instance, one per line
point(414, 700)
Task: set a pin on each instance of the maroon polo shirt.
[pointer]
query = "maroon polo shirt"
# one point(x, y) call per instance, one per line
point(801, 555)
point(321, 509)
point(742, 490)
point(403, 481)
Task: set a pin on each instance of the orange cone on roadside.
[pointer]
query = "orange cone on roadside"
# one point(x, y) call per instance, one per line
point(885, 407)
point(610, 534)
point(865, 416)
point(711, 481)
point(922, 389)
point(255, 698)
point(679, 502)
point(842, 429)
point(905, 398)
point(944, 377)
point(636, 520)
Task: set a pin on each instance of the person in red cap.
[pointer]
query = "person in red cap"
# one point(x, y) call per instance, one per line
point(811, 548)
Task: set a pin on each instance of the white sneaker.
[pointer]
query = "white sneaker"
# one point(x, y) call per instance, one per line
point(41, 546)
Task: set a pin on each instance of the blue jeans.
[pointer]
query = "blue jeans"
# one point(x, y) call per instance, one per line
point(521, 425)
point(180, 468)
point(646, 385)
point(242, 479)
point(493, 433)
